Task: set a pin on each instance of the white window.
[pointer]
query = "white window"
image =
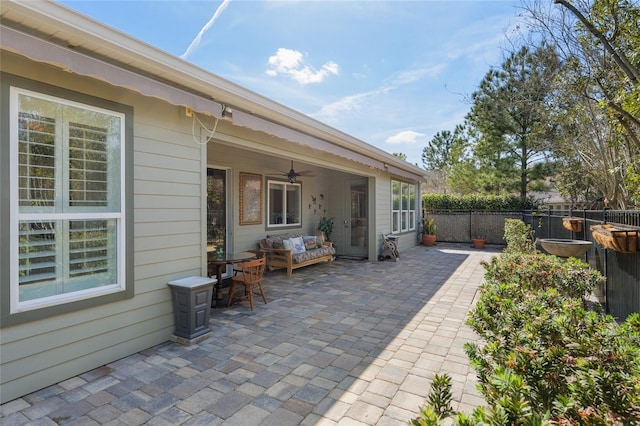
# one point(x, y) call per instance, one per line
point(67, 221)
point(284, 204)
point(403, 207)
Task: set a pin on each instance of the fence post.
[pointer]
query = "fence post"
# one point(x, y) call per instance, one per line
point(470, 224)
point(606, 264)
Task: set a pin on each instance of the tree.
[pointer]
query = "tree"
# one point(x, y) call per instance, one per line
point(445, 157)
point(509, 112)
point(443, 150)
point(400, 155)
point(597, 100)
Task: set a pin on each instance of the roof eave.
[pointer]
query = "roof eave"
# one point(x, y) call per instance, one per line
point(153, 61)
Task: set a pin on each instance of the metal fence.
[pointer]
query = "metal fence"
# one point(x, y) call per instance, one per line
point(621, 293)
point(462, 226)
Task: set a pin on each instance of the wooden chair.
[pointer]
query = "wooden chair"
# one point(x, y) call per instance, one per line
point(250, 277)
point(237, 269)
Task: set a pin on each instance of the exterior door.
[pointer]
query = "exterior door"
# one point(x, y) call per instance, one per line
point(356, 222)
point(217, 211)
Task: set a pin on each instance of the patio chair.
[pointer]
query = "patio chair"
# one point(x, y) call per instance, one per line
point(250, 277)
point(237, 268)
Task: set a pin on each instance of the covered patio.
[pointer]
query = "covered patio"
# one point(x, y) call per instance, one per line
point(351, 342)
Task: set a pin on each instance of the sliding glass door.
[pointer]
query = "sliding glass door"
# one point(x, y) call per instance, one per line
point(217, 210)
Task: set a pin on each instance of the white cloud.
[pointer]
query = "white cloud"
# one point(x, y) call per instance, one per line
point(348, 103)
point(405, 137)
point(353, 102)
point(409, 76)
point(291, 63)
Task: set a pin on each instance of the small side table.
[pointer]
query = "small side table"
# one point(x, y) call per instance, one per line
point(191, 308)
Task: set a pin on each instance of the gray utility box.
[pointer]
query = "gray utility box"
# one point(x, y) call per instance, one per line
point(191, 305)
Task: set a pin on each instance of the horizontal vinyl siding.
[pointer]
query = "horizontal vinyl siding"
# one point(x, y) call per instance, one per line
point(383, 210)
point(383, 216)
point(167, 246)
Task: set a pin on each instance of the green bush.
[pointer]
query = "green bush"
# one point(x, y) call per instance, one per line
point(579, 366)
point(546, 358)
point(435, 202)
point(519, 237)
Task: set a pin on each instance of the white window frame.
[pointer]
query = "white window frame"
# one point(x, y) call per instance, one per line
point(403, 215)
point(284, 223)
point(118, 217)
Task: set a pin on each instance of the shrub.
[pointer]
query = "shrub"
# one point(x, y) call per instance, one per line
point(519, 237)
point(547, 359)
point(532, 272)
point(433, 202)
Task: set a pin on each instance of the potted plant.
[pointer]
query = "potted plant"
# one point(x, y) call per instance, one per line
point(325, 225)
point(479, 242)
point(428, 231)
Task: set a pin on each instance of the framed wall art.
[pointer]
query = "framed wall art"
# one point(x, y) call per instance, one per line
point(250, 199)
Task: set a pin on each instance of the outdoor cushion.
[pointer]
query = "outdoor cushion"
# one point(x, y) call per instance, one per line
point(313, 254)
point(297, 245)
point(310, 242)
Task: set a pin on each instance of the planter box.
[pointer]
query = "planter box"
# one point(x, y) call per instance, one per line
point(619, 238)
point(573, 223)
point(191, 308)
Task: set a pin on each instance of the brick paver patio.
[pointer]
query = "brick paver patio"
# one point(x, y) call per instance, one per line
point(350, 343)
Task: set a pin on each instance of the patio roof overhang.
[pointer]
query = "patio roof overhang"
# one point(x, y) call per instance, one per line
point(44, 51)
point(259, 124)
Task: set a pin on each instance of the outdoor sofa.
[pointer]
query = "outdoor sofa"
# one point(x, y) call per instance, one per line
point(292, 251)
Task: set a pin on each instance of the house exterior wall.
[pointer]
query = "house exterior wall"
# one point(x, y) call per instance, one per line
point(168, 227)
point(268, 156)
point(269, 166)
point(167, 245)
point(383, 214)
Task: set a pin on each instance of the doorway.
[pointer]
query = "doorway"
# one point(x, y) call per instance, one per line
point(217, 211)
point(356, 214)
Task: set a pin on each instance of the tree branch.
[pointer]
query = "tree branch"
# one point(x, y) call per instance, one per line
point(622, 61)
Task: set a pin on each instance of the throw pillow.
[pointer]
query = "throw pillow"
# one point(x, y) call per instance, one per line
point(310, 243)
point(297, 245)
point(287, 244)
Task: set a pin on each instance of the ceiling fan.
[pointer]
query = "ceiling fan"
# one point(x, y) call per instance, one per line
point(292, 175)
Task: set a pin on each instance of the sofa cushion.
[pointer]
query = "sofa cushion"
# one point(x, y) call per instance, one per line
point(276, 241)
point(297, 245)
point(310, 242)
point(313, 254)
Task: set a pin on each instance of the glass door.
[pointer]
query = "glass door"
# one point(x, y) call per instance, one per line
point(355, 236)
point(216, 211)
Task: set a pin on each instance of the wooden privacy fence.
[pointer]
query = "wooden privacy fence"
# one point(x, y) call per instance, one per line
point(619, 264)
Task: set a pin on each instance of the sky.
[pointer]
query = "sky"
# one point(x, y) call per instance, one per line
point(390, 73)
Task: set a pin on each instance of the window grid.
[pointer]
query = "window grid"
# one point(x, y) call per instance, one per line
point(36, 160)
point(403, 207)
point(68, 233)
point(284, 204)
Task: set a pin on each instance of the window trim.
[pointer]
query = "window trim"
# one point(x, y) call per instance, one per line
point(9, 208)
point(410, 190)
point(269, 225)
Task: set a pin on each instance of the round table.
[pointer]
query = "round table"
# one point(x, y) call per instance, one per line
point(220, 261)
